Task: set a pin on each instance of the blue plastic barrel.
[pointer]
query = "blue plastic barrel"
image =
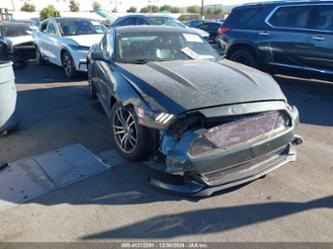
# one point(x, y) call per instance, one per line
point(8, 112)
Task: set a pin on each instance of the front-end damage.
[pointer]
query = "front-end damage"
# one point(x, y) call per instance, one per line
point(220, 147)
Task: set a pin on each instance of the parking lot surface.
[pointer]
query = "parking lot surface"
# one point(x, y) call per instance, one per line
point(294, 203)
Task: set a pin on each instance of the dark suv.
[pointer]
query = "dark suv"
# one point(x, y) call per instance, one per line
point(294, 35)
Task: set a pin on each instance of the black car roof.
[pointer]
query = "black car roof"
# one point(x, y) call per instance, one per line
point(286, 2)
point(151, 28)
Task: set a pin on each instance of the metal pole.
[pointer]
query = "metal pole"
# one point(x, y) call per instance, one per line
point(202, 8)
point(13, 5)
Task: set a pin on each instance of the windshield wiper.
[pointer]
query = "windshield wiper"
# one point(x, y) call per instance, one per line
point(138, 61)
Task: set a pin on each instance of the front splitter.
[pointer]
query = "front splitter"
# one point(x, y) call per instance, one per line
point(197, 189)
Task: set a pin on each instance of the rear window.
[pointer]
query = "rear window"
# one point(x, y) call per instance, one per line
point(291, 17)
point(243, 16)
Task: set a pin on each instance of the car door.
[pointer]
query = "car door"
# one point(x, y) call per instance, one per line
point(103, 70)
point(322, 39)
point(288, 39)
point(52, 43)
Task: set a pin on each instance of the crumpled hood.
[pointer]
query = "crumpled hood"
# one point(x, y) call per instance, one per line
point(181, 86)
point(19, 39)
point(86, 40)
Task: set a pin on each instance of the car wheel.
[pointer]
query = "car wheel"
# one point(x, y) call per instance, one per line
point(131, 139)
point(244, 56)
point(69, 65)
point(39, 58)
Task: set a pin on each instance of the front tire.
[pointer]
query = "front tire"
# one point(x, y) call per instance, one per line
point(244, 56)
point(131, 139)
point(69, 65)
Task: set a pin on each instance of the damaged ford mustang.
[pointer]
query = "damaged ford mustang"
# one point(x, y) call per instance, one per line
point(174, 103)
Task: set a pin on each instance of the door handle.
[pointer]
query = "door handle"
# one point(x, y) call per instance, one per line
point(263, 33)
point(318, 38)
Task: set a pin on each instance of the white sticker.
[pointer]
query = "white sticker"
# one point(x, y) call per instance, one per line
point(192, 38)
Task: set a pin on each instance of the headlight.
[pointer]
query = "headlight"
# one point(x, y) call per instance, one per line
point(152, 119)
point(78, 47)
point(164, 118)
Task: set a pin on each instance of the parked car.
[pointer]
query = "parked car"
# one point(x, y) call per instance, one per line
point(16, 43)
point(212, 28)
point(160, 20)
point(292, 35)
point(195, 23)
point(173, 100)
point(66, 42)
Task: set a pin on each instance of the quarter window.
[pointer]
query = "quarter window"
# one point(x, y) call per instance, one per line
point(291, 17)
point(324, 21)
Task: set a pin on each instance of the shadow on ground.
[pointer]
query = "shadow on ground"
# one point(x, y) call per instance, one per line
point(209, 220)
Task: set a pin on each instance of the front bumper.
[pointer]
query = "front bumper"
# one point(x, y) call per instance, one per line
point(221, 169)
point(80, 59)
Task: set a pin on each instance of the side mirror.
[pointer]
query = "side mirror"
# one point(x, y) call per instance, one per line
point(97, 55)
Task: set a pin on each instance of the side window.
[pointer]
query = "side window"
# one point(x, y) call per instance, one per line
point(51, 29)
point(127, 21)
point(103, 43)
point(297, 17)
point(43, 27)
point(141, 21)
point(243, 16)
point(324, 20)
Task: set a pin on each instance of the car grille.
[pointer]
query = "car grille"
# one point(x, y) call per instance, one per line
point(239, 131)
point(272, 157)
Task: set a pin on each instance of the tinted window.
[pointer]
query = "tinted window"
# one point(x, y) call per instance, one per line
point(127, 21)
point(243, 16)
point(324, 21)
point(16, 30)
point(165, 21)
point(51, 29)
point(291, 17)
point(141, 21)
point(70, 27)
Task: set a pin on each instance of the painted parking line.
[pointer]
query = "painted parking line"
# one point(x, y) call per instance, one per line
point(26, 179)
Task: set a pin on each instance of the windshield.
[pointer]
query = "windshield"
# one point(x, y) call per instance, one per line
point(79, 27)
point(16, 30)
point(159, 46)
point(165, 21)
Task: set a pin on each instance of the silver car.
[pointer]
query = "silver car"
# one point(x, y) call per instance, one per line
point(66, 41)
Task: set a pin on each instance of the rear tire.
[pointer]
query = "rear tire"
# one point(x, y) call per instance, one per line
point(138, 145)
point(69, 65)
point(244, 56)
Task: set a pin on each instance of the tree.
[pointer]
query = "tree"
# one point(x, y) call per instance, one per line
point(115, 10)
point(195, 9)
point(154, 8)
point(167, 8)
point(132, 10)
point(49, 11)
point(96, 5)
point(74, 6)
point(209, 11)
point(145, 10)
point(218, 11)
point(178, 10)
point(28, 7)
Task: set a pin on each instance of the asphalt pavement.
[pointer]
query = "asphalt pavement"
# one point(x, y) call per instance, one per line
point(293, 203)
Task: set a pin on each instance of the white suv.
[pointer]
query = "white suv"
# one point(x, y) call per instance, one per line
point(66, 41)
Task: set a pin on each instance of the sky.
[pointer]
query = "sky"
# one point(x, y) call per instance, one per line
point(123, 5)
